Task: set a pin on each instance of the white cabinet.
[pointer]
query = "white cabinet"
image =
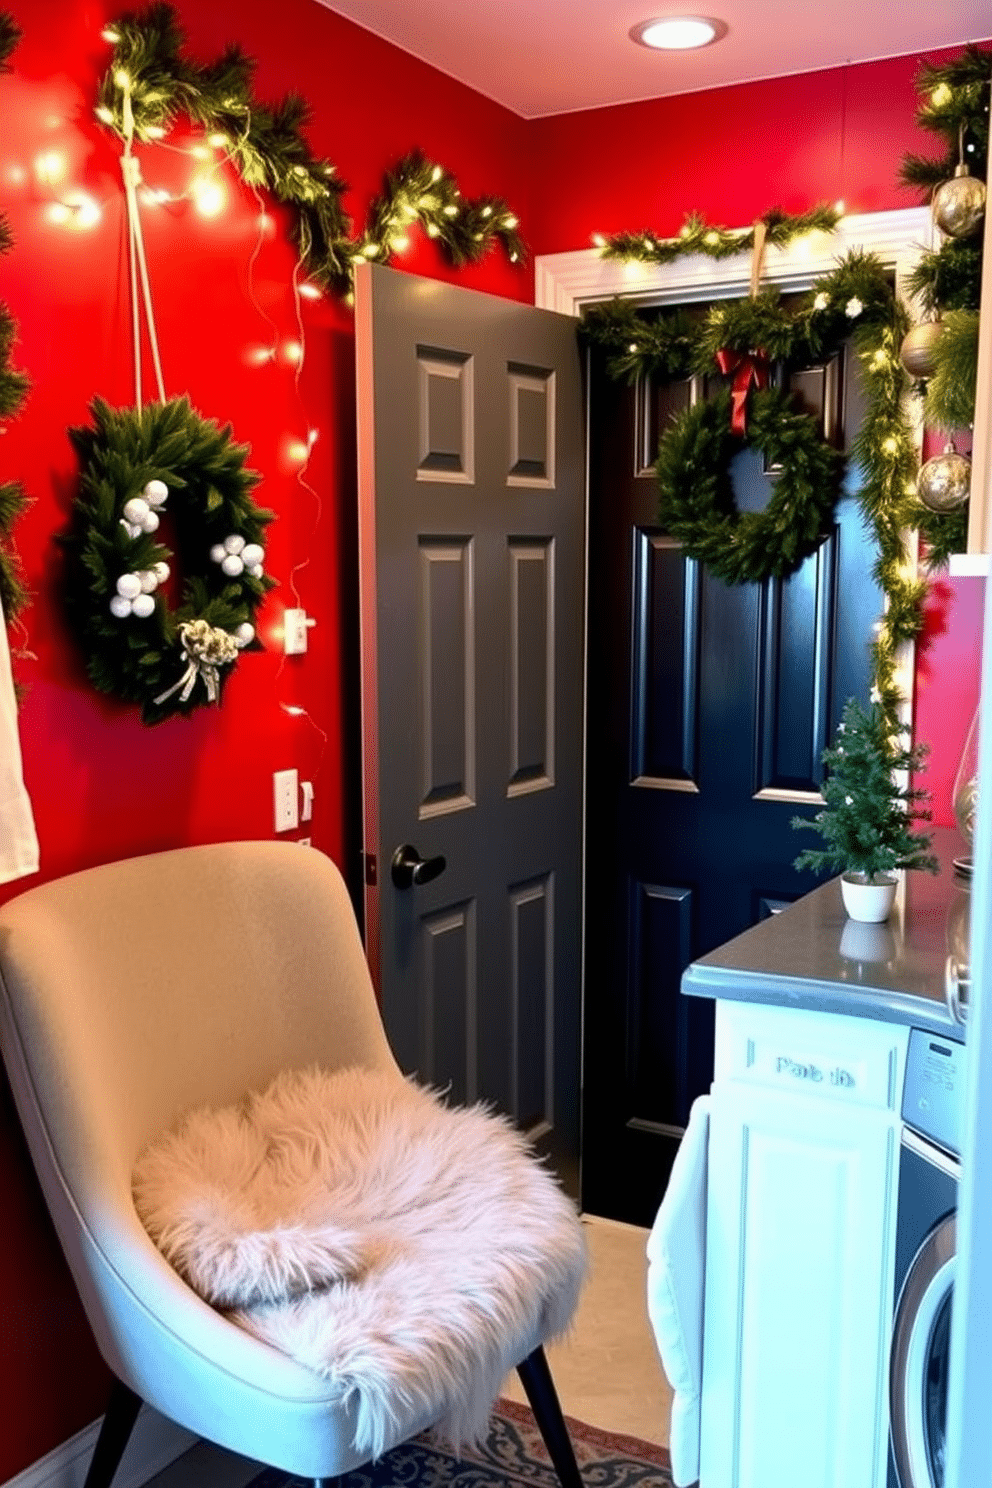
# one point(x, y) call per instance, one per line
point(801, 1215)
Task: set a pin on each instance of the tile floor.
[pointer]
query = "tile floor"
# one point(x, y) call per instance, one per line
point(607, 1371)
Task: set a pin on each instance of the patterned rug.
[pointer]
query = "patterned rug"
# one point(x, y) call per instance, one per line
point(513, 1455)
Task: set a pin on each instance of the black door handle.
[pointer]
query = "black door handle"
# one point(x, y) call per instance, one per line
point(409, 868)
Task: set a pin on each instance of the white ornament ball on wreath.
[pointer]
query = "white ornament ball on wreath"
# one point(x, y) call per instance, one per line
point(218, 553)
point(129, 586)
point(155, 492)
point(256, 570)
point(120, 607)
point(150, 523)
point(245, 634)
point(234, 543)
point(143, 606)
point(149, 580)
point(136, 510)
point(161, 572)
point(252, 553)
point(233, 566)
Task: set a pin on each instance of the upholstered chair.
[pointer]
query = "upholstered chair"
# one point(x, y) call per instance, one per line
point(132, 994)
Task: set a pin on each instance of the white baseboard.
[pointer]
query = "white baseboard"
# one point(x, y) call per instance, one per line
point(155, 1442)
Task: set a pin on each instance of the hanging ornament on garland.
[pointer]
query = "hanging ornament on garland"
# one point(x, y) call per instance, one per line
point(959, 204)
point(919, 349)
point(944, 482)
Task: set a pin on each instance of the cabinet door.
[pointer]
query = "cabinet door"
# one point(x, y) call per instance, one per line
point(799, 1257)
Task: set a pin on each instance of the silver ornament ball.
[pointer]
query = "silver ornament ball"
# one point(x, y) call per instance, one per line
point(143, 606)
point(232, 565)
point(150, 522)
point(245, 634)
point(161, 572)
point(149, 580)
point(120, 607)
point(959, 204)
point(918, 350)
point(234, 543)
point(252, 553)
point(218, 553)
point(945, 481)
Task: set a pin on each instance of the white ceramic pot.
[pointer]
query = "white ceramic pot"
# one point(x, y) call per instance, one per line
point(867, 901)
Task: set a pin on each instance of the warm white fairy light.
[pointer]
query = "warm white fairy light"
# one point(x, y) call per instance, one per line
point(311, 291)
point(209, 196)
point(219, 141)
point(109, 34)
point(122, 78)
point(293, 352)
point(154, 131)
point(50, 167)
point(104, 114)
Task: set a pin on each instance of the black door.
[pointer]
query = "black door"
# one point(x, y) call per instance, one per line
point(708, 708)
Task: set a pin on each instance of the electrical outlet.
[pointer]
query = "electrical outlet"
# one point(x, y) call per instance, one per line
point(285, 791)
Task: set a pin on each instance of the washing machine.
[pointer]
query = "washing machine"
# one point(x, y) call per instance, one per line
point(933, 1097)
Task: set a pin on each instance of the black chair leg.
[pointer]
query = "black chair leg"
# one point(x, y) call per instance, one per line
point(118, 1423)
point(539, 1387)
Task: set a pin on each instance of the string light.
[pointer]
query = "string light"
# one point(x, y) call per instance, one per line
point(209, 196)
point(50, 167)
point(109, 34)
point(76, 209)
point(311, 291)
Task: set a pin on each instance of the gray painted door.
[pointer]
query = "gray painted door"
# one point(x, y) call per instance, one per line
point(471, 535)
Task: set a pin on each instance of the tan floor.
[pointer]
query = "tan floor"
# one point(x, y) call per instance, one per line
point(608, 1372)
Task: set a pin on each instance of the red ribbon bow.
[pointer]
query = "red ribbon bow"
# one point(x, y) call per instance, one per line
point(746, 367)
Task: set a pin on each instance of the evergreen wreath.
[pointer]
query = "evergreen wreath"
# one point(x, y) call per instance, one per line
point(854, 301)
point(149, 84)
point(165, 460)
point(696, 495)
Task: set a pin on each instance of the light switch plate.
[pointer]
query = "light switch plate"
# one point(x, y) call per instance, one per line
point(286, 800)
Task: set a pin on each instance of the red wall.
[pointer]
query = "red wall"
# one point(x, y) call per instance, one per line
point(102, 785)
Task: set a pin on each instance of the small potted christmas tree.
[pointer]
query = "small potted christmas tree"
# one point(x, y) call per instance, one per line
point(867, 821)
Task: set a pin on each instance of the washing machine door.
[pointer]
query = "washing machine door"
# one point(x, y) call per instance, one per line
point(921, 1341)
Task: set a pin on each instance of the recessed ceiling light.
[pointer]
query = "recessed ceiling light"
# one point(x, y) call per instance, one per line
point(678, 33)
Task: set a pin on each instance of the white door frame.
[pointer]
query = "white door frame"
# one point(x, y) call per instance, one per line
point(567, 281)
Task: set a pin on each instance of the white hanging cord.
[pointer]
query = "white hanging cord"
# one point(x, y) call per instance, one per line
point(131, 173)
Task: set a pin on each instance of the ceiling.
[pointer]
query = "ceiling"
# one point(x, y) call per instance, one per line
point(552, 56)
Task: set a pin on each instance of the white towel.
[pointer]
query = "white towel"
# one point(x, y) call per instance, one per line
point(18, 839)
point(676, 1276)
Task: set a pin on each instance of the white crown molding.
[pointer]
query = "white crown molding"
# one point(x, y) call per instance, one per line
point(567, 281)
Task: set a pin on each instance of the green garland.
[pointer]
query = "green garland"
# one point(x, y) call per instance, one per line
point(266, 146)
point(13, 391)
point(136, 648)
point(698, 236)
point(855, 300)
point(950, 392)
point(957, 98)
point(696, 495)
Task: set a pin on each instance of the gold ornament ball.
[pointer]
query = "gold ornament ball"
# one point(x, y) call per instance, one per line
point(918, 350)
point(959, 204)
point(945, 481)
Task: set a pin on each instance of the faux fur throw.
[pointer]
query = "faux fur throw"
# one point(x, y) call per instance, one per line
point(409, 1252)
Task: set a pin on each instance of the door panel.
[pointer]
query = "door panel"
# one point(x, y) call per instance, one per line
point(708, 708)
point(472, 523)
